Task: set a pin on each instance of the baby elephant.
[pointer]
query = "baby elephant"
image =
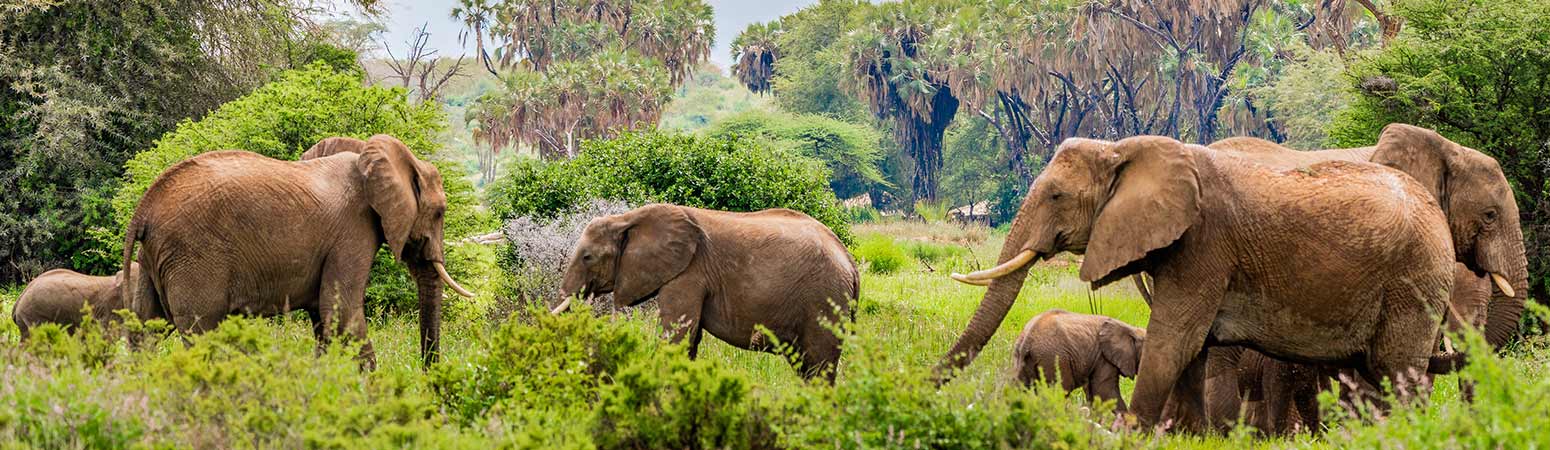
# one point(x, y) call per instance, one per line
point(58, 296)
point(1083, 350)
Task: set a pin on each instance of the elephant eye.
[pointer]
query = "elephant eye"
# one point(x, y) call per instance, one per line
point(1490, 216)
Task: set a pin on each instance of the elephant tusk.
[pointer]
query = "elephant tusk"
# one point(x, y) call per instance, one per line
point(1501, 282)
point(1447, 345)
point(966, 280)
point(442, 270)
point(563, 305)
point(992, 273)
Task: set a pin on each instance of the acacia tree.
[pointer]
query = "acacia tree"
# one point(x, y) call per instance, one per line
point(589, 68)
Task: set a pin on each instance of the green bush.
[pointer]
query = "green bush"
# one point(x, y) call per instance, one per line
point(850, 151)
point(730, 174)
point(284, 118)
point(580, 380)
point(880, 254)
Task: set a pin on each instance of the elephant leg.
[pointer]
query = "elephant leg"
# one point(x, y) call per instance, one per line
point(1279, 384)
point(342, 307)
point(1224, 391)
point(1104, 385)
point(820, 353)
point(1173, 359)
point(197, 302)
point(317, 329)
point(679, 309)
point(1306, 398)
point(1401, 345)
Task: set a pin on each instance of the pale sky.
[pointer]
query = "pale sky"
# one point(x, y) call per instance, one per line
point(403, 16)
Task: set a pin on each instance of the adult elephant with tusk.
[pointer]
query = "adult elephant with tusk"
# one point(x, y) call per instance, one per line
point(734, 275)
point(1342, 263)
point(1470, 187)
point(233, 232)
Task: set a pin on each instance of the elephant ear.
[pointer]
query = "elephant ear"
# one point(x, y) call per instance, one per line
point(657, 245)
point(391, 185)
point(1120, 345)
point(1419, 152)
point(1154, 196)
point(333, 146)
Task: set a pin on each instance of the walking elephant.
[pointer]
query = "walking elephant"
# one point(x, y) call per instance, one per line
point(234, 232)
point(1341, 263)
point(726, 273)
point(1472, 190)
point(1080, 351)
point(60, 295)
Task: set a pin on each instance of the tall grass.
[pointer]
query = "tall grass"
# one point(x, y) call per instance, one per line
point(584, 381)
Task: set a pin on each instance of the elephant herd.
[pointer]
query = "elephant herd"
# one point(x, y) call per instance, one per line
point(1269, 268)
point(1266, 269)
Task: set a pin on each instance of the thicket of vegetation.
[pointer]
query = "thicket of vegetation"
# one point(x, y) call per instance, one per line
point(84, 85)
point(720, 173)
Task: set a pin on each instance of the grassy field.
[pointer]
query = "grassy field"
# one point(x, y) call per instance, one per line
point(579, 381)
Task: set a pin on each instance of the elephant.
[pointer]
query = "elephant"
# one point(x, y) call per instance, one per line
point(731, 274)
point(1472, 190)
point(1083, 350)
point(1281, 396)
point(233, 232)
point(1341, 263)
point(60, 296)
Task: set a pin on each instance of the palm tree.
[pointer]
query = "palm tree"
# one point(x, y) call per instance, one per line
point(755, 51)
point(476, 15)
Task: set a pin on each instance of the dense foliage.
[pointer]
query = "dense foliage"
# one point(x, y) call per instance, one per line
point(86, 84)
point(1478, 72)
point(281, 120)
point(849, 150)
point(719, 173)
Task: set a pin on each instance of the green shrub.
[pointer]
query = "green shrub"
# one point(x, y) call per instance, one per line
point(882, 403)
point(880, 254)
point(716, 173)
point(849, 150)
point(576, 379)
point(284, 118)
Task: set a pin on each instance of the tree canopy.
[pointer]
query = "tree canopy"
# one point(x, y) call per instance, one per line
point(580, 69)
point(86, 84)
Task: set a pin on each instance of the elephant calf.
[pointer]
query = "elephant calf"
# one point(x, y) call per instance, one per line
point(1081, 350)
point(59, 295)
point(724, 272)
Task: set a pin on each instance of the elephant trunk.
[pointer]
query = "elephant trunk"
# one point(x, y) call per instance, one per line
point(993, 308)
point(570, 287)
point(1503, 312)
point(429, 281)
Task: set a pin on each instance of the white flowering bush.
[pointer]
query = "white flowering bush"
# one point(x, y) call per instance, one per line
point(537, 250)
